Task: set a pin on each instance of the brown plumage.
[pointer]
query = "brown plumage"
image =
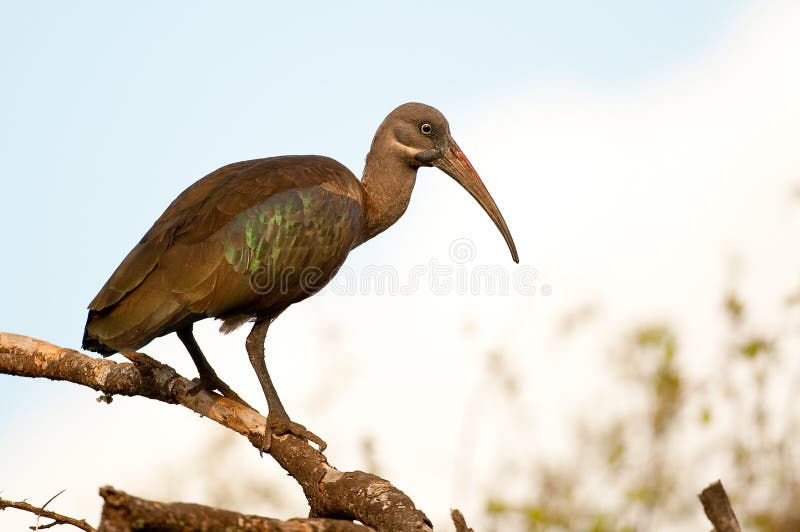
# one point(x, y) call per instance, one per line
point(254, 237)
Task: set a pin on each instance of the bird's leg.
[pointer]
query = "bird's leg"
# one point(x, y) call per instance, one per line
point(208, 377)
point(278, 421)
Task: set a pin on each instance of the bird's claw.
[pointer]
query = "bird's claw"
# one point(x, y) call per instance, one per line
point(213, 383)
point(279, 426)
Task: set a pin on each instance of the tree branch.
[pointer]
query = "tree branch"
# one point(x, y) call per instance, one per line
point(57, 518)
point(121, 510)
point(718, 508)
point(330, 493)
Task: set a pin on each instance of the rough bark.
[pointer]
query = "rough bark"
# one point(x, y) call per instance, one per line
point(125, 513)
point(330, 493)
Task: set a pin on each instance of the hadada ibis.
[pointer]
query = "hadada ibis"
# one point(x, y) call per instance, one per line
point(252, 238)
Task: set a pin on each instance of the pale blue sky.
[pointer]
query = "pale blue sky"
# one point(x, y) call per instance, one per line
point(110, 109)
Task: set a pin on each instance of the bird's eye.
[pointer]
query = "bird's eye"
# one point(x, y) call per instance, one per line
point(426, 128)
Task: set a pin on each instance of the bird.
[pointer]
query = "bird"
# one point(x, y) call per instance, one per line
point(254, 237)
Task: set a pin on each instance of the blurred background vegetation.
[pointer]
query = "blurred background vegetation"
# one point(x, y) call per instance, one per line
point(676, 422)
point(632, 470)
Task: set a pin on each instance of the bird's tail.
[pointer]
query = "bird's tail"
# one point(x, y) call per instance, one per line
point(134, 322)
point(92, 343)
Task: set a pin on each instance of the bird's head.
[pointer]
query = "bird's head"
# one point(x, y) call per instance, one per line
point(420, 135)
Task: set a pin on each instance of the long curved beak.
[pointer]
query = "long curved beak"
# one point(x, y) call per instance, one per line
point(454, 163)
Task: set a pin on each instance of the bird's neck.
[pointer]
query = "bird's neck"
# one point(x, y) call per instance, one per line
point(387, 183)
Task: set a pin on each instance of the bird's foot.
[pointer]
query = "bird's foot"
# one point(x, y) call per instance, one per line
point(279, 425)
point(211, 383)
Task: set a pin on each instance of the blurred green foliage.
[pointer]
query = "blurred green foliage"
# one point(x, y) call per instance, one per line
point(678, 422)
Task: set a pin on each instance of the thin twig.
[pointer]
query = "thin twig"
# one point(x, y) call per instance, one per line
point(57, 518)
point(51, 499)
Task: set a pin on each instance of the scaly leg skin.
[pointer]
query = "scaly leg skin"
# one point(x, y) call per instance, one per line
point(208, 377)
point(278, 422)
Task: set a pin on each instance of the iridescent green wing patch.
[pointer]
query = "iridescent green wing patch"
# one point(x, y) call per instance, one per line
point(294, 229)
